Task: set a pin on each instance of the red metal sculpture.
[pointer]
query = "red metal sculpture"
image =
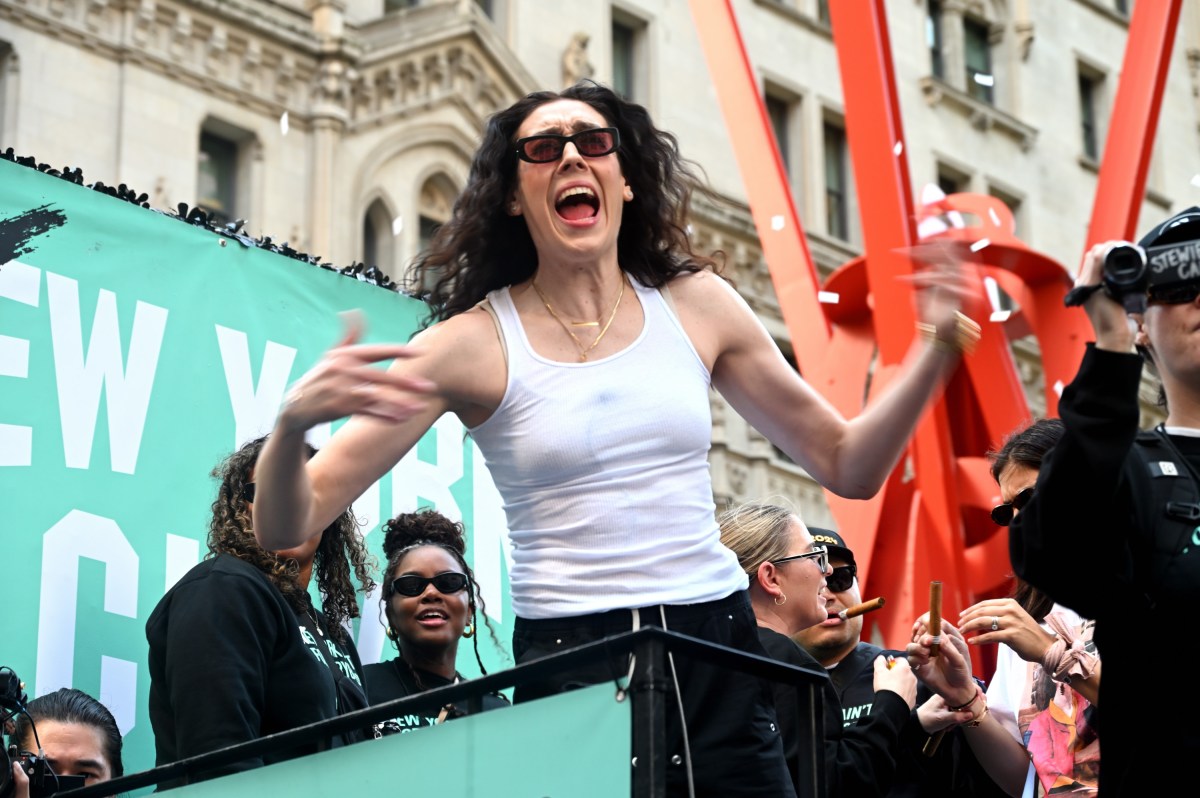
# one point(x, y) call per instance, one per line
point(930, 521)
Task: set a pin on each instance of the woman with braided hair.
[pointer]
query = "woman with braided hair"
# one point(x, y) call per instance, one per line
point(429, 601)
point(237, 649)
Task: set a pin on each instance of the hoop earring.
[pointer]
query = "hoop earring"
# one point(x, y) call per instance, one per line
point(781, 599)
point(469, 632)
point(391, 633)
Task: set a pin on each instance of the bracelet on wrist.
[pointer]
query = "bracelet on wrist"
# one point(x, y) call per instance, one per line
point(966, 335)
point(978, 694)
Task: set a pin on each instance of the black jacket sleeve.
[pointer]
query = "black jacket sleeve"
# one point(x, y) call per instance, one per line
point(220, 638)
point(1072, 539)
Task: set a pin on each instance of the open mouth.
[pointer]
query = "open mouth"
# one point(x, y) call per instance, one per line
point(432, 616)
point(577, 203)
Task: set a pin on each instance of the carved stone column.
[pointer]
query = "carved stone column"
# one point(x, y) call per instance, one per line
point(330, 114)
point(954, 55)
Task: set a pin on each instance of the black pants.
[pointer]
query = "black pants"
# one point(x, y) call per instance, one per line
point(735, 743)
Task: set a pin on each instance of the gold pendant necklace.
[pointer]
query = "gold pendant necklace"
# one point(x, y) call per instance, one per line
point(583, 351)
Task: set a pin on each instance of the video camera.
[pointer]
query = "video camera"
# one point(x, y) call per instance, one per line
point(1132, 273)
point(42, 778)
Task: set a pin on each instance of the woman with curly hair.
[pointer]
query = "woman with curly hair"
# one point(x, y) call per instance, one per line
point(237, 649)
point(577, 336)
point(429, 600)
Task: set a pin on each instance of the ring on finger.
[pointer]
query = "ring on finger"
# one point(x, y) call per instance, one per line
point(995, 623)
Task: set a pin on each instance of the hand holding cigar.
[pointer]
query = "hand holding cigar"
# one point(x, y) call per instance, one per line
point(860, 609)
point(935, 617)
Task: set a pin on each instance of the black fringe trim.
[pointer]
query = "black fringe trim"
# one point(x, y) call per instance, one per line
point(198, 218)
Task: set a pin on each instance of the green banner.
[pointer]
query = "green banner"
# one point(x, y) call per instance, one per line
point(574, 745)
point(135, 352)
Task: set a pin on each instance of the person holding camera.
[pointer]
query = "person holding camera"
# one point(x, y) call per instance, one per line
point(63, 740)
point(1111, 526)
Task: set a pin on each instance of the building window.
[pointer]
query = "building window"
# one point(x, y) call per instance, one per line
point(7, 92)
point(1089, 100)
point(377, 238)
point(1014, 206)
point(779, 112)
point(399, 5)
point(1122, 7)
point(823, 12)
point(933, 38)
point(952, 181)
point(837, 221)
point(622, 55)
point(978, 58)
point(488, 7)
point(629, 73)
point(217, 179)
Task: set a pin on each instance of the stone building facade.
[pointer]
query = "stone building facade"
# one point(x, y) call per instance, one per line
point(346, 126)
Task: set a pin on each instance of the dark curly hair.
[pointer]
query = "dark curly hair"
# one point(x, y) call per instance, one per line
point(342, 548)
point(1028, 447)
point(482, 248)
point(428, 527)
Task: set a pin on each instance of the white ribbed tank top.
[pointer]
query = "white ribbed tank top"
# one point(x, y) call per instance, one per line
point(603, 470)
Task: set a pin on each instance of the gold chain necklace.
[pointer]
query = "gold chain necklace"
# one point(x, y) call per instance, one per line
point(583, 351)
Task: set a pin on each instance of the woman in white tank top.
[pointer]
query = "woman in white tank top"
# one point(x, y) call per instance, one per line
point(576, 336)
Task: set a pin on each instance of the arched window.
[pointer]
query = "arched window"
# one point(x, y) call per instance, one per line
point(434, 204)
point(378, 241)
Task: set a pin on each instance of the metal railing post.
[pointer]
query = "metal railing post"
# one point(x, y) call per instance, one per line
point(649, 693)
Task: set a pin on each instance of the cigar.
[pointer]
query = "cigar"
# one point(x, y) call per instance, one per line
point(935, 616)
point(860, 609)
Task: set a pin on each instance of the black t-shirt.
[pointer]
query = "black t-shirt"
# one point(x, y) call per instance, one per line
point(387, 681)
point(231, 661)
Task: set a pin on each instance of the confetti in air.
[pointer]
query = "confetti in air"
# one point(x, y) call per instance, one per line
point(1058, 388)
point(283, 123)
point(995, 217)
point(985, 80)
point(1000, 316)
point(899, 148)
point(828, 297)
point(397, 225)
point(980, 244)
point(777, 222)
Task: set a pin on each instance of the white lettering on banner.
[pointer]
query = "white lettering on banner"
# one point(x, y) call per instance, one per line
point(182, 555)
point(118, 690)
point(77, 535)
point(80, 380)
point(414, 479)
point(20, 283)
point(254, 407)
point(490, 538)
point(371, 638)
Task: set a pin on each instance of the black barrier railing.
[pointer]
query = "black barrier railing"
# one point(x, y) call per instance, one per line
point(649, 705)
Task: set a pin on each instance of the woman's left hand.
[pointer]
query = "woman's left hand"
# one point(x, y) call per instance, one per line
point(1004, 621)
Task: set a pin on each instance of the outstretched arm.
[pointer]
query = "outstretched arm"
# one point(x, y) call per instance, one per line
point(849, 457)
point(390, 410)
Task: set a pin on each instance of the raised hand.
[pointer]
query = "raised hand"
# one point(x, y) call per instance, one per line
point(345, 382)
point(897, 676)
point(1004, 621)
point(948, 674)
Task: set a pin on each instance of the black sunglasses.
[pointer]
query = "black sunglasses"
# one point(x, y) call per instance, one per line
point(446, 583)
point(547, 147)
point(842, 578)
point(1174, 294)
point(248, 492)
point(1003, 514)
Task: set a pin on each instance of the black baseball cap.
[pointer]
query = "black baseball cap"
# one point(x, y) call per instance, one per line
point(832, 541)
point(1183, 226)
